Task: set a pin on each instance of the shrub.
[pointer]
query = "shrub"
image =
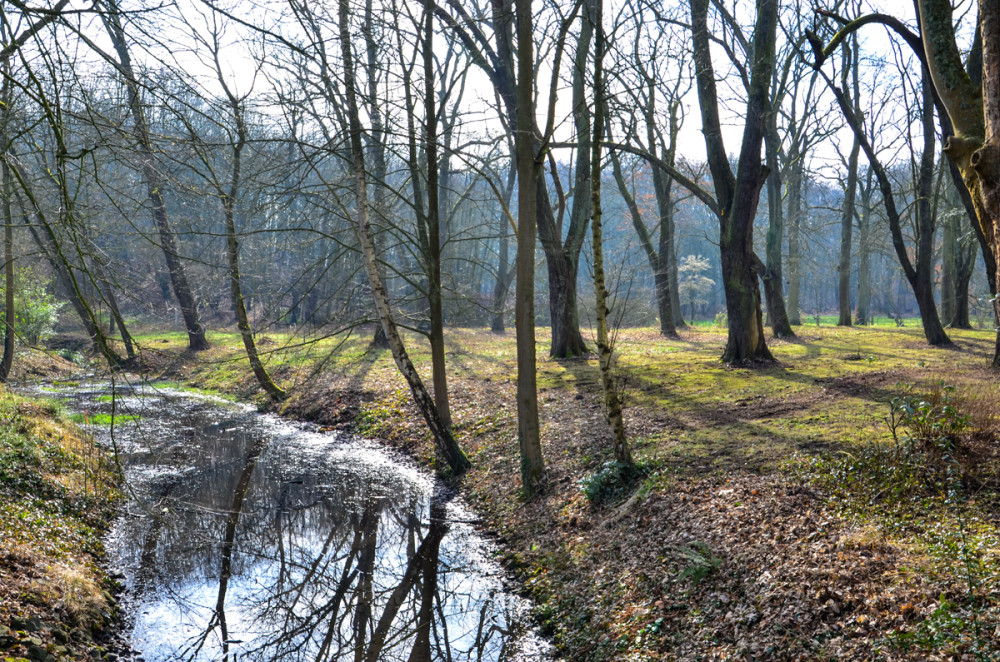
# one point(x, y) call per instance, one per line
point(36, 309)
point(611, 482)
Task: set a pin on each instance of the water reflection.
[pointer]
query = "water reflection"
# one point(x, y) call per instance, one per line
point(253, 539)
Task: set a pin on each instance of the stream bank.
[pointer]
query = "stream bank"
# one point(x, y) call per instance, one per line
point(58, 496)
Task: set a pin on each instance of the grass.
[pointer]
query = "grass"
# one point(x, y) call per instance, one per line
point(103, 420)
point(57, 492)
point(814, 418)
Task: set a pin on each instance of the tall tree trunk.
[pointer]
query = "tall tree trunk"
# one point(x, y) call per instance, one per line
point(229, 199)
point(665, 266)
point(862, 316)
point(6, 192)
point(612, 401)
point(434, 300)
point(849, 74)
point(918, 275)
point(795, 180)
point(154, 183)
point(846, 227)
point(774, 286)
point(738, 195)
point(529, 438)
point(376, 143)
point(661, 274)
point(443, 438)
point(965, 267)
point(949, 268)
point(505, 274)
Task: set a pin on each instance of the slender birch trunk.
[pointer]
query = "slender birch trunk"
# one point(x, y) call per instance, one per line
point(443, 438)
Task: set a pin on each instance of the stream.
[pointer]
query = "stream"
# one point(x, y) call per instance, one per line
point(248, 537)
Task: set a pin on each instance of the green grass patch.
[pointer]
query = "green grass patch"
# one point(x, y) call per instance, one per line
point(103, 420)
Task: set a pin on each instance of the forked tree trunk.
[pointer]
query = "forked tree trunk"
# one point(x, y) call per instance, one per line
point(738, 195)
point(445, 442)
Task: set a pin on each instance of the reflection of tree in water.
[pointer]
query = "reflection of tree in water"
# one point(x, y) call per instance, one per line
point(257, 559)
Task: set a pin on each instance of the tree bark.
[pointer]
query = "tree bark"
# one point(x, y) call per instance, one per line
point(612, 402)
point(795, 178)
point(661, 275)
point(529, 438)
point(771, 275)
point(443, 438)
point(739, 194)
point(862, 315)
point(155, 184)
point(846, 227)
point(505, 274)
point(439, 374)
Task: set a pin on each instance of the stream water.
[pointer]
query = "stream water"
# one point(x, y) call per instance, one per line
point(251, 538)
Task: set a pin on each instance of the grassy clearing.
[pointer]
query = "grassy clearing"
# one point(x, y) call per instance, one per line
point(56, 495)
point(758, 526)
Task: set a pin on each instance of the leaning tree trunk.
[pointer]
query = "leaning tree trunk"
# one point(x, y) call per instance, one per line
point(918, 275)
point(275, 392)
point(445, 442)
point(155, 185)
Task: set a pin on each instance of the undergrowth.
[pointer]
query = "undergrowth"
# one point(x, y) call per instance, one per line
point(928, 484)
